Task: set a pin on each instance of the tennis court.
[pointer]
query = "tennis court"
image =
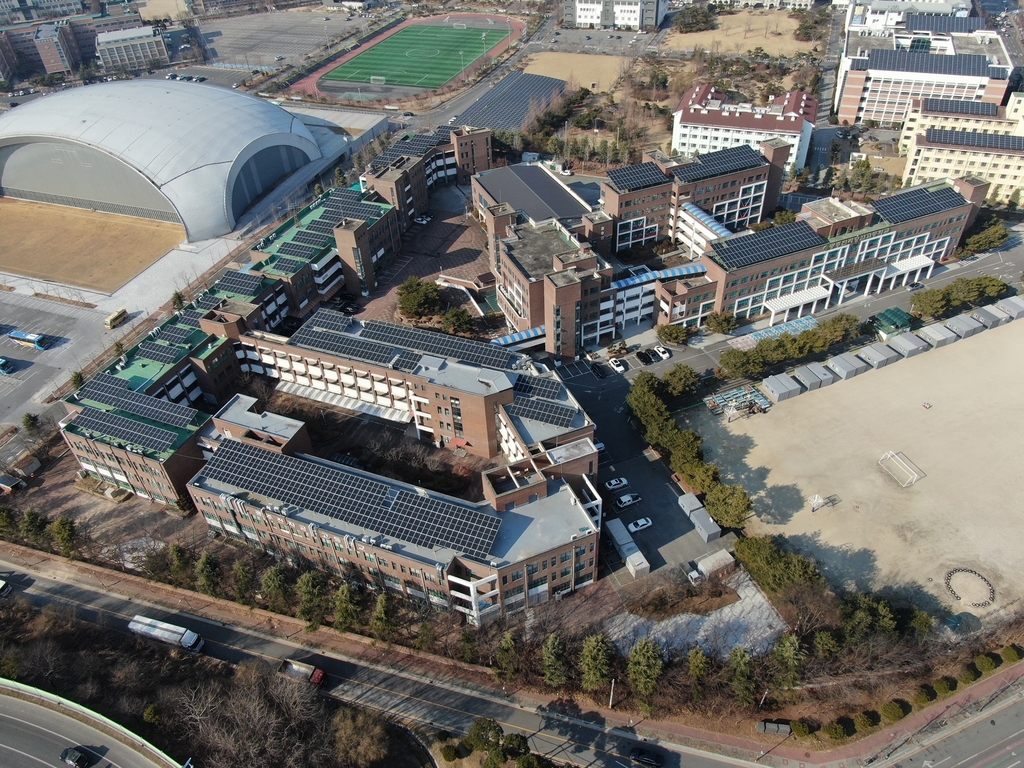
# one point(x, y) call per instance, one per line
point(422, 56)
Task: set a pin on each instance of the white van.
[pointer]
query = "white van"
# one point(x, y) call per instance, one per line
point(5, 588)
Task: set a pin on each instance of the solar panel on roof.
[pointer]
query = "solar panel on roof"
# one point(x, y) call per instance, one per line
point(441, 344)
point(174, 334)
point(189, 318)
point(353, 499)
point(241, 283)
point(917, 202)
point(535, 386)
point(976, 139)
point(543, 410)
point(337, 343)
point(119, 428)
point(297, 250)
point(729, 160)
point(288, 266)
point(160, 352)
point(324, 226)
point(920, 22)
point(954, 106)
point(208, 301)
point(961, 64)
point(115, 392)
point(315, 239)
point(508, 104)
point(745, 250)
point(329, 320)
point(633, 177)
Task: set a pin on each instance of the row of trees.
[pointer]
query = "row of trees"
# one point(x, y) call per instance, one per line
point(39, 531)
point(422, 298)
point(752, 363)
point(964, 291)
point(729, 505)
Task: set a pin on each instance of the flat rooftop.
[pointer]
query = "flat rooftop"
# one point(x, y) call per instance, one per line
point(240, 411)
point(536, 249)
point(529, 530)
point(533, 191)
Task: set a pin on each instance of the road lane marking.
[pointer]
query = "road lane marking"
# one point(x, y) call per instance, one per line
point(986, 749)
point(64, 737)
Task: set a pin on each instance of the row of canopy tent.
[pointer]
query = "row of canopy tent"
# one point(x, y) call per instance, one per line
point(847, 365)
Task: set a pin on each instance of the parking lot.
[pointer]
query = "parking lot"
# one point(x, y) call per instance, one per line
point(226, 76)
point(622, 42)
point(257, 41)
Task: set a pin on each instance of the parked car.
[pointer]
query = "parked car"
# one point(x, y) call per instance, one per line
point(408, 114)
point(915, 286)
point(661, 352)
point(565, 172)
point(639, 525)
point(421, 220)
point(452, 119)
point(643, 757)
point(618, 482)
point(200, 79)
point(6, 367)
point(279, 58)
point(617, 365)
point(5, 588)
point(628, 500)
point(170, 76)
point(597, 370)
point(645, 357)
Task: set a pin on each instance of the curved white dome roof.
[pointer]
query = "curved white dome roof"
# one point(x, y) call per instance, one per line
point(190, 140)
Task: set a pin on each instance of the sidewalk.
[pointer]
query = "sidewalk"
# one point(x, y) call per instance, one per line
point(923, 727)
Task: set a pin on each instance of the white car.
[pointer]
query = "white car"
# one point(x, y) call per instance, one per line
point(565, 172)
point(618, 482)
point(617, 365)
point(662, 352)
point(628, 500)
point(639, 525)
point(421, 220)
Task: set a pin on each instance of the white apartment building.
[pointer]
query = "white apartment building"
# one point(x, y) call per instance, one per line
point(614, 14)
point(131, 48)
point(704, 122)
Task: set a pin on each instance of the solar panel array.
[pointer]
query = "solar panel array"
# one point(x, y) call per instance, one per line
point(161, 353)
point(737, 252)
point(961, 64)
point(241, 283)
point(535, 386)
point(720, 163)
point(115, 392)
point(917, 202)
point(353, 499)
point(325, 225)
point(190, 318)
point(412, 146)
point(631, 178)
point(127, 430)
point(315, 239)
point(543, 410)
point(976, 140)
point(440, 344)
point(208, 301)
point(920, 22)
point(329, 320)
point(336, 343)
point(174, 334)
point(953, 106)
point(288, 266)
point(298, 250)
point(508, 104)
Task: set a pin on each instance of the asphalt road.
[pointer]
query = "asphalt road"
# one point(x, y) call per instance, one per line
point(32, 735)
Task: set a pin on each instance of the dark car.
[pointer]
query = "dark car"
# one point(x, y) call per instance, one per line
point(74, 757)
point(645, 357)
point(597, 370)
point(643, 757)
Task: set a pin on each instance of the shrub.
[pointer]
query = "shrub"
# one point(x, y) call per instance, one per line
point(968, 675)
point(449, 753)
point(1011, 654)
point(800, 729)
point(893, 711)
point(985, 664)
point(865, 721)
point(922, 696)
point(943, 687)
point(674, 334)
point(834, 731)
point(151, 715)
point(442, 735)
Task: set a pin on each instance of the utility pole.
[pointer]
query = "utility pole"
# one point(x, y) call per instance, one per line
point(611, 696)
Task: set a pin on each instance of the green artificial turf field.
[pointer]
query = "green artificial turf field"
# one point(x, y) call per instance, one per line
point(421, 56)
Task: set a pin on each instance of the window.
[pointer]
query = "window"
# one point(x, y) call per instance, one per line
point(517, 575)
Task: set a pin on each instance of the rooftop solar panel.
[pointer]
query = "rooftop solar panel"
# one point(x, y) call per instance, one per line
point(298, 250)
point(961, 64)
point(324, 226)
point(631, 178)
point(115, 392)
point(190, 318)
point(535, 386)
point(920, 22)
point(315, 239)
point(543, 410)
point(161, 353)
point(975, 139)
point(441, 344)
point(508, 104)
point(208, 301)
point(916, 202)
point(241, 283)
point(720, 163)
point(174, 334)
point(328, 320)
point(745, 250)
point(288, 266)
point(953, 106)
point(354, 499)
point(125, 430)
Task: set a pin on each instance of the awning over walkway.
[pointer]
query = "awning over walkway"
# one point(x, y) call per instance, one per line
point(806, 296)
point(515, 338)
point(351, 403)
point(897, 268)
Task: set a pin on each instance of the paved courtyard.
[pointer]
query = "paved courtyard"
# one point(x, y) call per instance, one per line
point(956, 413)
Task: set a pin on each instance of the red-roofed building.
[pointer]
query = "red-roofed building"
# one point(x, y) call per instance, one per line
point(705, 122)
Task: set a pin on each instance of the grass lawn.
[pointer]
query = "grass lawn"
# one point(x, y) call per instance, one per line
point(423, 56)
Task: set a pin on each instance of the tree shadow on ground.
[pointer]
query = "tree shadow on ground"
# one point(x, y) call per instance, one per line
point(778, 503)
point(844, 566)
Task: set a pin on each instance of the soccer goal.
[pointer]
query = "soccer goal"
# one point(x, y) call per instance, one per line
point(378, 80)
point(459, 25)
point(899, 468)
